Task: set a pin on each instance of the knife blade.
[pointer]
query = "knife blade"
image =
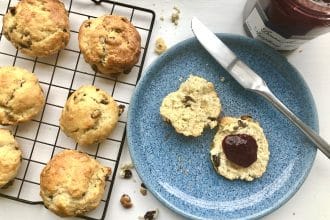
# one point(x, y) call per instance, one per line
point(250, 80)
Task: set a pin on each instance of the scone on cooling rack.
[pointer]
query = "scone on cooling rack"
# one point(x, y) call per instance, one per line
point(193, 107)
point(110, 44)
point(21, 97)
point(73, 183)
point(240, 149)
point(37, 27)
point(89, 115)
point(10, 157)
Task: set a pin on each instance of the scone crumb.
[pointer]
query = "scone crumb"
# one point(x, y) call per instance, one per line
point(126, 174)
point(125, 171)
point(160, 46)
point(175, 15)
point(143, 189)
point(126, 201)
point(121, 109)
point(150, 215)
point(222, 79)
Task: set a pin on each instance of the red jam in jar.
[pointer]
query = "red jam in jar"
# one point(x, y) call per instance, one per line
point(286, 24)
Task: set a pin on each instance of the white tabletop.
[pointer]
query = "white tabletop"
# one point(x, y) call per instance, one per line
point(311, 60)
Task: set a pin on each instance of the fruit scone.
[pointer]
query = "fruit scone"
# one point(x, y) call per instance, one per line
point(73, 183)
point(240, 149)
point(89, 115)
point(194, 106)
point(110, 44)
point(10, 158)
point(37, 27)
point(21, 95)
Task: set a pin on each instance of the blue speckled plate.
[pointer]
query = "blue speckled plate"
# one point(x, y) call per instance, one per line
point(177, 169)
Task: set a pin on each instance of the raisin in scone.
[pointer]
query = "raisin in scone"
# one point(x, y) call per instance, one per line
point(73, 183)
point(21, 97)
point(89, 115)
point(240, 149)
point(37, 27)
point(10, 157)
point(194, 106)
point(110, 44)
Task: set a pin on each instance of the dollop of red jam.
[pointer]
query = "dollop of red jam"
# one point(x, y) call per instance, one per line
point(240, 149)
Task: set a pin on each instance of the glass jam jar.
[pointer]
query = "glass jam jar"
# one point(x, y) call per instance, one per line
point(286, 24)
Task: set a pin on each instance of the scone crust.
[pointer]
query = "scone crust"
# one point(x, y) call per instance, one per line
point(37, 27)
point(21, 97)
point(10, 157)
point(89, 115)
point(243, 125)
point(110, 44)
point(193, 107)
point(72, 183)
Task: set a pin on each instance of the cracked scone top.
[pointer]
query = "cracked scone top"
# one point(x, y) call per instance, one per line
point(73, 183)
point(37, 27)
point(225, 167)
point(21, 97)
point(89, 115)
point(10, 157)
point(110, 44)
point(193, 107)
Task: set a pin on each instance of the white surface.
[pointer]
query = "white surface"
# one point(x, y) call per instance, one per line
point(312, 61)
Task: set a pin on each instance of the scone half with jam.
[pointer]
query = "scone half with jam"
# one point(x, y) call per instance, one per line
point(240, 149)
point(193, 107)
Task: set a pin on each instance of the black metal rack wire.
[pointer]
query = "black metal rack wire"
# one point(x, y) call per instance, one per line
point(42, 137)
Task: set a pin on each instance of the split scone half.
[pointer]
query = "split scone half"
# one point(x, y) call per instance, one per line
point(240, 149)
point(194, 106)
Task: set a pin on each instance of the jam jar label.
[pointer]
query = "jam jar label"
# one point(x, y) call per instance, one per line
point(255, 23)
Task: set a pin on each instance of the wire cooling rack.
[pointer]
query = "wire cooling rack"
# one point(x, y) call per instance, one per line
point(60, 75)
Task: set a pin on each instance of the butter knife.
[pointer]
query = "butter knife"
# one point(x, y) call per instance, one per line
point(250, 80)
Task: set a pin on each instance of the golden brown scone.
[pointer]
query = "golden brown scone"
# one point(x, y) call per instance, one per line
point(21, 97)
point(89, 115)
point(37, 27)
point(110, 44)
point(73, 183)
point(225, 167)
point(194, 106)
point(10, 157)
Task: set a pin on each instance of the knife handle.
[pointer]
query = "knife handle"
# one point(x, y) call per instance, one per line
point(321, 144)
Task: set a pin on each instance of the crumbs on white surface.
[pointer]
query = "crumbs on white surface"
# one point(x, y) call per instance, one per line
point(125, 170)
point(175, 15)
point(126, 201)
point(150, 215)
point(143, 189)
point(160, 46)
point(161, 18)
point(129, 165)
